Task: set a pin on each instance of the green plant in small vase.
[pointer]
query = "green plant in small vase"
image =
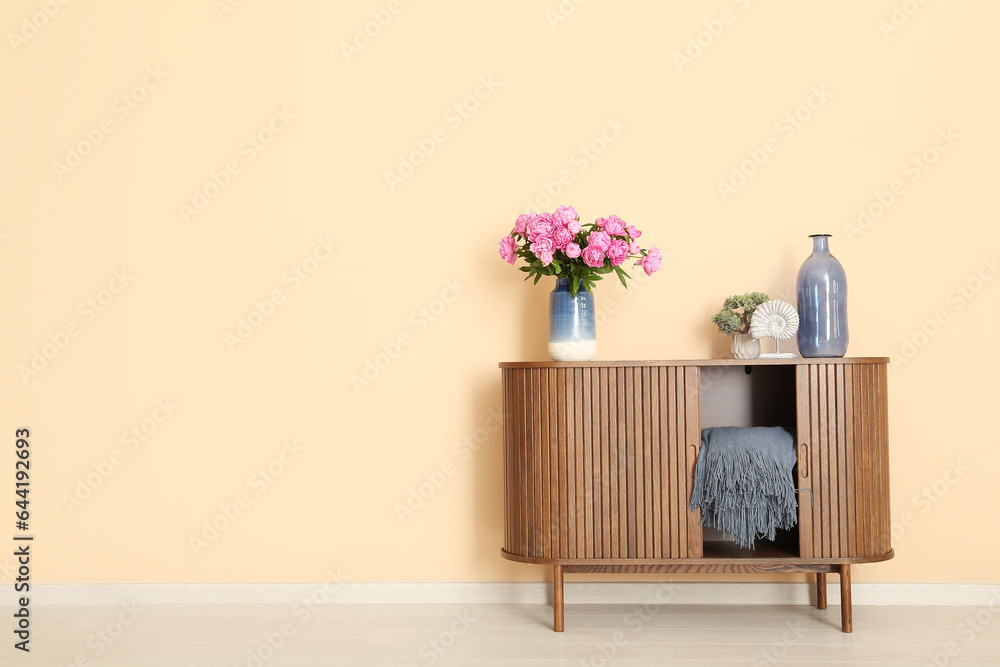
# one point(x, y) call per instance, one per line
point(734, 320)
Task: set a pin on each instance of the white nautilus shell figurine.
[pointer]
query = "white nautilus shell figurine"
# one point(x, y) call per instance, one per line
point(774, 319)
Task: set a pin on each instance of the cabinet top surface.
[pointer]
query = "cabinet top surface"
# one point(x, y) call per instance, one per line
point(798, 361)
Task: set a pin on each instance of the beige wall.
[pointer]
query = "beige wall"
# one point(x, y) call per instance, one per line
point(417, 260)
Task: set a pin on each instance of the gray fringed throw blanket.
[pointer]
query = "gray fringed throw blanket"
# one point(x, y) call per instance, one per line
point(743, 481)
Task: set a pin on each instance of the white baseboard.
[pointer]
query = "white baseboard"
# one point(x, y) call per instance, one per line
point(765, 593)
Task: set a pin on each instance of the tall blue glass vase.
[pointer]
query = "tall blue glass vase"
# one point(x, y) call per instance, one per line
point(572, 331)
point(822, 296)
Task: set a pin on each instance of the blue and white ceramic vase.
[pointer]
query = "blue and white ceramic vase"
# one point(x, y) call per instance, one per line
point(572, 330)
point(822, 296)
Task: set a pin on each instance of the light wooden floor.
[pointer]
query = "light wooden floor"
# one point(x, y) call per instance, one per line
point(501, 635)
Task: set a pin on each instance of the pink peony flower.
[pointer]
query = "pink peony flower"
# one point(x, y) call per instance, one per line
point(521, 223)
point(651, 262)
point(561, 236)
point(599, 240)
point(633, 233)
point(565, 215)
point(633, 248)
point(508, 249)
point(593, 256)
point(540, 226)
point(618, 252)
point(614, 226)
point(600, 222)
point(573, 226)
point(572, 250)
point(544, 248)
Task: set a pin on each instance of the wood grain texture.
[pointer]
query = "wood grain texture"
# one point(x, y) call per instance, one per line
point(700, 363)
point(598, 461)
point(842, 417)
point(846, 615)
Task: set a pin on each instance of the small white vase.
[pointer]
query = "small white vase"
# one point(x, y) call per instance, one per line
point(745, 347)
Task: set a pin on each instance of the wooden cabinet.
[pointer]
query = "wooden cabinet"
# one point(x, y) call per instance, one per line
point(599, 460)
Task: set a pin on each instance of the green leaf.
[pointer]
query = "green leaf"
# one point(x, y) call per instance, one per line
point(621, 276)
point(537, 276)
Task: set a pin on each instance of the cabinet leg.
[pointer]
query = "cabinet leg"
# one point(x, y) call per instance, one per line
point(557, 597)
point(846, 623)
point(821, 590)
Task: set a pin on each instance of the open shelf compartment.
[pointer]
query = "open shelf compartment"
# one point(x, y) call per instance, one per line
point(750, 396)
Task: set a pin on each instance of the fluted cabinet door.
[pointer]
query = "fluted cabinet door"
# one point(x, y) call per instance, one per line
point(843, 460)
point(598, 461)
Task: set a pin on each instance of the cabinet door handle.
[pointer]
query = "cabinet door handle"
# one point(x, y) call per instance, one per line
point(804, 460)
point(694, 460)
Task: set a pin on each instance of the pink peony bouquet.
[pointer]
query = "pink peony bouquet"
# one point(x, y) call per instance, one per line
point(557, 244)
